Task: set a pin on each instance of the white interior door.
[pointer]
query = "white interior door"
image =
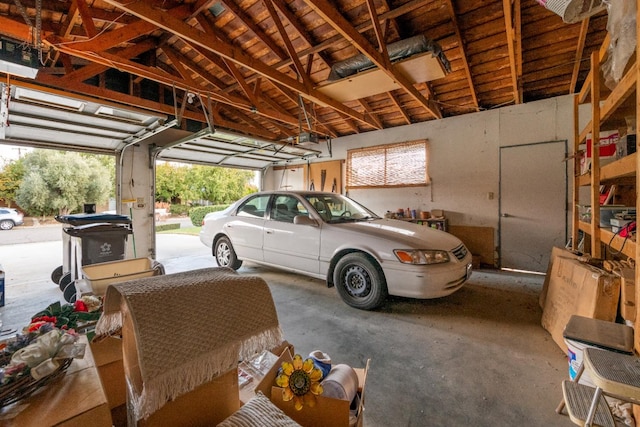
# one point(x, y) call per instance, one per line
point(533, 203)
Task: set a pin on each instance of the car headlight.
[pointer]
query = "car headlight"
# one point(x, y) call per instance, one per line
point(421, 256)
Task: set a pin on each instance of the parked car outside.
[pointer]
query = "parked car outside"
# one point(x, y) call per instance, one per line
point(334, 238)
point(9, 218)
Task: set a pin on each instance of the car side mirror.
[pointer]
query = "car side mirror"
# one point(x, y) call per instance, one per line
point(304, 220)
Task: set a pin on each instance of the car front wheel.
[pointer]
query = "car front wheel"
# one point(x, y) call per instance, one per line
point(6, 224)
point(360, 281)
point(225, 255)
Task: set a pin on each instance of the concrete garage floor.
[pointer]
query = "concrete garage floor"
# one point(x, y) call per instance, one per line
point(478, 357)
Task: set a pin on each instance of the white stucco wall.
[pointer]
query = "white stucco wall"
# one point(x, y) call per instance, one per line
point(464, 158)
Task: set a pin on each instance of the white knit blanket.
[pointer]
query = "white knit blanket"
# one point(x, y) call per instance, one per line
point(189, 328)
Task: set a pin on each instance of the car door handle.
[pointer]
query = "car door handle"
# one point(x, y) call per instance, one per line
point(269, 231)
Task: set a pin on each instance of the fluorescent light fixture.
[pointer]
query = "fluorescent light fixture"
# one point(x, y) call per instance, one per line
point(48, 100)
point(17, 69)
point(124, 115)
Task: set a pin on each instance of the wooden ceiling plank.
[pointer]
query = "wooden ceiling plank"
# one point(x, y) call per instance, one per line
point(584, 28)
point(241, 81)
point(92, 69)
point(300, 29)
point(67, 25)
point(396, 102)
point(368, 110)
point(288, 45)
point(115, 37)
point(118, 98)
point(177, 65)
point(463, 54)
point(512, 25)
point(382, 43)
point(195, 37)
point(344, 27)
point(254, 28)
point(87, 20)
point(320, 47)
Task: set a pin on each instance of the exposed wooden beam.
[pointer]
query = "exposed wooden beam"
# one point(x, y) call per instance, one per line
point(92, 69)
point(87, 19)
point(344, 27)
point(115, 37)
point(584, 27)
point(196, 37)
point(137, 102)
point(463, 54)
point(399, 107)
point(288, 45)
point(368, 110)
point(512, 22)
point(320, 47)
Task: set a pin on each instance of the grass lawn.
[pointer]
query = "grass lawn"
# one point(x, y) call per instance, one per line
point(194, 231)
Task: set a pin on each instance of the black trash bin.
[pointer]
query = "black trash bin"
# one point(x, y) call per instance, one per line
point(89, 239)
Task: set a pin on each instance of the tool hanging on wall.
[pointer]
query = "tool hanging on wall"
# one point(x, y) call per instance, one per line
point(334, 187)
point(323, 178)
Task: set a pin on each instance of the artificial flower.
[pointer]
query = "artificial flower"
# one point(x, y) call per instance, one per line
point(300, 382)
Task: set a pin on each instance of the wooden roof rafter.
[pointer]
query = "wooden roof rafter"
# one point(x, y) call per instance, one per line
point(584, 28)
point(195, 37)
point(513, 25)
point(463, 54)
point(344, 27)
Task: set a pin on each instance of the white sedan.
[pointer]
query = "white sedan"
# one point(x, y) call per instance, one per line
point(329, 236)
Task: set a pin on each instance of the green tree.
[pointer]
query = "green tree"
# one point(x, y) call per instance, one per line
point(171, 184)
point(189, 183)
point(219, 185)
point(61, 182)
point(10, 180)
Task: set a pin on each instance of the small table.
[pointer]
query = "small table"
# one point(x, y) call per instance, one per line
point(76, 399)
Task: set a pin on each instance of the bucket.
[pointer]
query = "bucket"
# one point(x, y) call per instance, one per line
point(576, 351)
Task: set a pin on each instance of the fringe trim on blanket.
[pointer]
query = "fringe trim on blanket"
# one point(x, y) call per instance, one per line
point(172, 384)
point(109, 324)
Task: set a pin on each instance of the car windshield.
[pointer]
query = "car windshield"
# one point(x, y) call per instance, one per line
point(334, 208)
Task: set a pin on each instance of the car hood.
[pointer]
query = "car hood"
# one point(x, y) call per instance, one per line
point(404, 232)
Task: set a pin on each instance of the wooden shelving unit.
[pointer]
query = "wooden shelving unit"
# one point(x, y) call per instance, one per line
point(608, 111)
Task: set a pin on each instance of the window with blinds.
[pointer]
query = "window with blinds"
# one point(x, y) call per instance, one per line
point(393, 165)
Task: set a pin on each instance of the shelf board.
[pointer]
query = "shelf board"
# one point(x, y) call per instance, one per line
point(621, 168)
point(607, 238)
point(624, 167)
point(614, 102)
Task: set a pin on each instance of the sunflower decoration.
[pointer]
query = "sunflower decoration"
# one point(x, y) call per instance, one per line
point(300, 381)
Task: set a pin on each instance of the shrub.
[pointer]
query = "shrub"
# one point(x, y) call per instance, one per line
point(176, 209)
point(165, 227)
point(197, 214)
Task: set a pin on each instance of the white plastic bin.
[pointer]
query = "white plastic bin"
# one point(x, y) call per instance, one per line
point(103, 274)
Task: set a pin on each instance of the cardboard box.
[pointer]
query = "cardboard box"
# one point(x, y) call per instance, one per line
point(327, 411)
point(628, 293)
point(578, 288)
point(207, 405)
point(108, 357)
point(555, 252)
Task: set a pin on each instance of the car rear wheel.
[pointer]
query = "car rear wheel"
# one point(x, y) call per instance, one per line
point(6, 224)
point(360, 281)
point(225, 255)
